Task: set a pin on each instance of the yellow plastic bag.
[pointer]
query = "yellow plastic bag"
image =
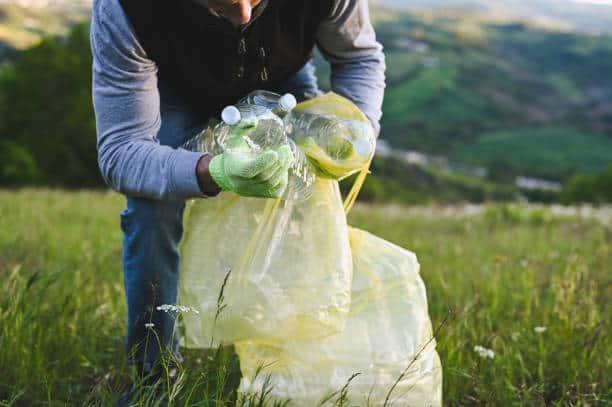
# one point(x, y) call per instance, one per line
point(263, 269)
point(289, 268)
point(277, 279)
point(387, 328)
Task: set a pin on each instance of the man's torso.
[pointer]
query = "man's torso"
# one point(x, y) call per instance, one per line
point(208, 63)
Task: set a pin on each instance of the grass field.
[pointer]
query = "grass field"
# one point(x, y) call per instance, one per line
point(502, 272)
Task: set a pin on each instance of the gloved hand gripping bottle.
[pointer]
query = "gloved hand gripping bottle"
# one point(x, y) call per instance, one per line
point(255, 158)
point(253, 155)
point(254, 162)
point(301, 175)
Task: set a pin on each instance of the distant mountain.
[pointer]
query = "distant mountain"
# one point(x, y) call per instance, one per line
point(514, 98)
point(465, 81)
point(49, 3)
point(24, 22)
point(588, 16)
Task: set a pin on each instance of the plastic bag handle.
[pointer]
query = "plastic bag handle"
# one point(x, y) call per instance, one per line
point(350, 199)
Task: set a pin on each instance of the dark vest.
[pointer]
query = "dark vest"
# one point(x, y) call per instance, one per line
point(210, 64)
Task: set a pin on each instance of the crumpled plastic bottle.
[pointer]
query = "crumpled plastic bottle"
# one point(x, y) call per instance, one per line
point(335, 147)
point(260, 114)
point(280, 105)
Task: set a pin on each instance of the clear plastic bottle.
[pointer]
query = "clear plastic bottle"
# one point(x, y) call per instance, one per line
point(335, 147)
point(279, 104)
point(256, 118)
point(301, 177)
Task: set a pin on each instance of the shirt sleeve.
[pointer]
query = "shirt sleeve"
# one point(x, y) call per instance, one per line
point(127, 107)
point(348, 41)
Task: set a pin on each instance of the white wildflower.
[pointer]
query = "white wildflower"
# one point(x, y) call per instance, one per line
point(177, 308)
point(484, 352)
point(149, 325)
point(539, 329)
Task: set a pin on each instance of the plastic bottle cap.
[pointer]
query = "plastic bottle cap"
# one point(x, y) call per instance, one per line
point(287, 102)
point(231, 115)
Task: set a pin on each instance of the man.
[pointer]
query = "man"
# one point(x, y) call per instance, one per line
point(161, 69)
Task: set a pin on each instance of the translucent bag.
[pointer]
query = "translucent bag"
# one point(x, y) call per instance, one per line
point(388, 331)
point(264, 269)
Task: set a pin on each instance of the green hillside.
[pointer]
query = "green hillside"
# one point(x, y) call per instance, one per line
point(586, 16)
point(394, 181)
point(548, 152)
point(452, 83)
point(22, 26)
point(515, 99)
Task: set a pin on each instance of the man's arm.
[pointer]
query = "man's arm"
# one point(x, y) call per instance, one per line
point(347, 40)
point(126, 103)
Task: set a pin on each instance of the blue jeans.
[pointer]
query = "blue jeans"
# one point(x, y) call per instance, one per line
point(152, 232)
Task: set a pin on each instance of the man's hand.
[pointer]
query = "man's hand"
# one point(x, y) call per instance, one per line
point(264, 174)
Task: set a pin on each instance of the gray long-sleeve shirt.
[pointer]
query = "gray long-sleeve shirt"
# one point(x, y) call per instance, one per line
point(127, 101)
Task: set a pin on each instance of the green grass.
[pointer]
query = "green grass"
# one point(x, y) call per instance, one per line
point(501, 273)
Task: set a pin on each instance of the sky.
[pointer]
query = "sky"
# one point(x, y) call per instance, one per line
point(603, 2)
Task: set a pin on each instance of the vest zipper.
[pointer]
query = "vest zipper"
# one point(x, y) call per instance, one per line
point(241, 53)
point(263, 74)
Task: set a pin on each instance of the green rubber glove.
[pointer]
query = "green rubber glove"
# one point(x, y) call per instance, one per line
point(248, 173)
point(263, 175)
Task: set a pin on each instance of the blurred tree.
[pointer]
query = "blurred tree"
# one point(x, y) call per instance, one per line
point(580, 188)
point(603, 185)
point(589, 188)
point(46, 110)
point(17, 167)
